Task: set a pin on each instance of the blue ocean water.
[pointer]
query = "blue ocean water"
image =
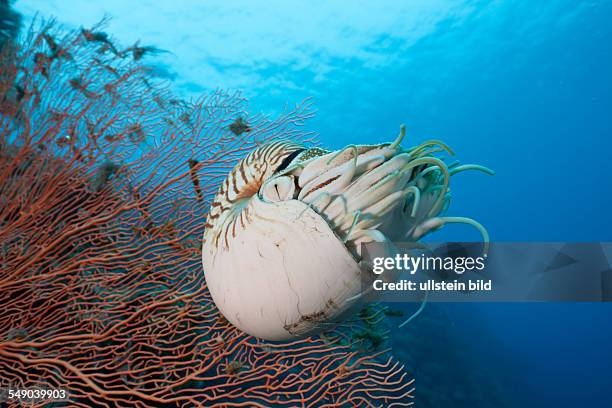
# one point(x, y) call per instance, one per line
point(523, 87)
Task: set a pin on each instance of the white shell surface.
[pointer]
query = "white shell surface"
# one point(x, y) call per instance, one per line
point(283, 273)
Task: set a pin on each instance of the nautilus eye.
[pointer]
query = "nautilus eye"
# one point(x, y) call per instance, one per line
point(278, 189)
point(283, 239)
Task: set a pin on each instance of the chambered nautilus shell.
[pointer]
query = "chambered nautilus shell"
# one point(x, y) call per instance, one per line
point(283, 238)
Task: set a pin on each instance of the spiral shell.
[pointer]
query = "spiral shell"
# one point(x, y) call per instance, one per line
point(283, 238)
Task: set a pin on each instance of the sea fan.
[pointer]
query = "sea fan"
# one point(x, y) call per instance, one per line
point(105, 180)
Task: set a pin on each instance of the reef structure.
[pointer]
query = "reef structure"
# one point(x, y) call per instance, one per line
point(105, 181)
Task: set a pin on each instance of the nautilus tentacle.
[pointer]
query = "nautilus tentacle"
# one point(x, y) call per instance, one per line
point(284, 235)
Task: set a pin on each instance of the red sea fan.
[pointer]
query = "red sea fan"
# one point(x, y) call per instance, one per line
point(105, 179)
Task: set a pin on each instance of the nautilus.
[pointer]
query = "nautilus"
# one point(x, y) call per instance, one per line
point(284, 234)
